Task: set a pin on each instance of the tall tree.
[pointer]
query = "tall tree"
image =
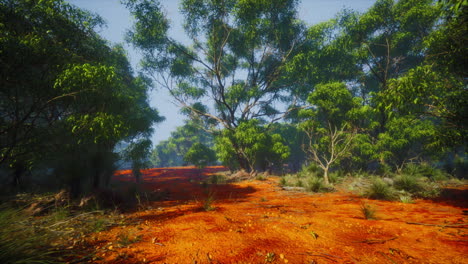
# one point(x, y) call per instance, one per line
point(236, 60)
point(66, 96)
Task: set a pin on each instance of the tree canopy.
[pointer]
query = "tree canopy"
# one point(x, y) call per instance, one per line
point(67, 96)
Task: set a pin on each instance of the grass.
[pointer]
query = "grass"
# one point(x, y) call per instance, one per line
point(208, 202)
point(45, 228)
point(309, 181)
point(406, 199)
point(368, 211)
point(20, 242)
point(127, 238)
point(261, 177)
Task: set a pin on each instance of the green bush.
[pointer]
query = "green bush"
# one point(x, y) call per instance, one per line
point(380, 190)
point(315, 184)
point(408, 182)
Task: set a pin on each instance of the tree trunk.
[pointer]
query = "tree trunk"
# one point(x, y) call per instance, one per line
point(325, 176)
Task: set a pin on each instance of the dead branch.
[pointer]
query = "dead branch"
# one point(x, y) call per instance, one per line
point(452, 225)
point(375, 241)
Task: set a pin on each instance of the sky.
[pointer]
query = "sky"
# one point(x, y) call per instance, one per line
point(119, 21)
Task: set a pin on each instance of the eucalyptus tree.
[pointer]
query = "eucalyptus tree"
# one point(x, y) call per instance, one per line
point(66, 96)
point(236, 60)
point(171, 152)
point(329, 125)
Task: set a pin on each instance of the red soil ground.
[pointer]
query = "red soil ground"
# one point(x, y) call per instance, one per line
point(258, 222)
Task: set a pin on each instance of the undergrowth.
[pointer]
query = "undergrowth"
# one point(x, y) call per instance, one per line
point(368, 211)
point(47, 229)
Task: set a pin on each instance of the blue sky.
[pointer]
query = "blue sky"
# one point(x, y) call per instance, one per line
point(119, 20)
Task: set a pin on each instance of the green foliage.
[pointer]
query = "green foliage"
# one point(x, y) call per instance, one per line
point(315, 184)
point(138, 154)
point(236, 60)
point(328, 125)
point(380, 190)
point(67, 97)
point(171, 152)
point(310, 181)
point(405, 139)
point(406, 199)
point(409, 183)
point(252, 145)
point(200, 155)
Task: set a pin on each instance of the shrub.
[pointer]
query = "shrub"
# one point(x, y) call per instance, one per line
point(315, 184)
point(408, 182)
point(380, 190)
point(406, 199)
point(335, 176)
point(283, 181)
point(368, 211)
point(208, 202)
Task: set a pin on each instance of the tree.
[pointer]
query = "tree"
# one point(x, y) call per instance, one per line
point(255, 145)
point(67, 97)
point(236, 61)
point(200, 155)
point(138, 154)
point(328, 125)
point(171, 152)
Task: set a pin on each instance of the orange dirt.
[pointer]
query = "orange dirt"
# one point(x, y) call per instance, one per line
point(258, 222)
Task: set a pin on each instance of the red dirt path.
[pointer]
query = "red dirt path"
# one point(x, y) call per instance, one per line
point(258, 222)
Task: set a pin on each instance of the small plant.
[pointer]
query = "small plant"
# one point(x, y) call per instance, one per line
point(283, 181)
point(208, 202)
point(380, 190)
point(127, 238)
point(299, 183)
point(315, 184)
point(260, 177)
point(406, 199)
point(270, 257)
point(263, 199)
point(368, 211)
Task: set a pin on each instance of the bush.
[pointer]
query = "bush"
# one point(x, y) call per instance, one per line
point(380, 190)
point(310, 182)
point(408, 182)
point(283, 181)
point(406, 199)
point(315, 184)
point(310, 170)
point(368, 211)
